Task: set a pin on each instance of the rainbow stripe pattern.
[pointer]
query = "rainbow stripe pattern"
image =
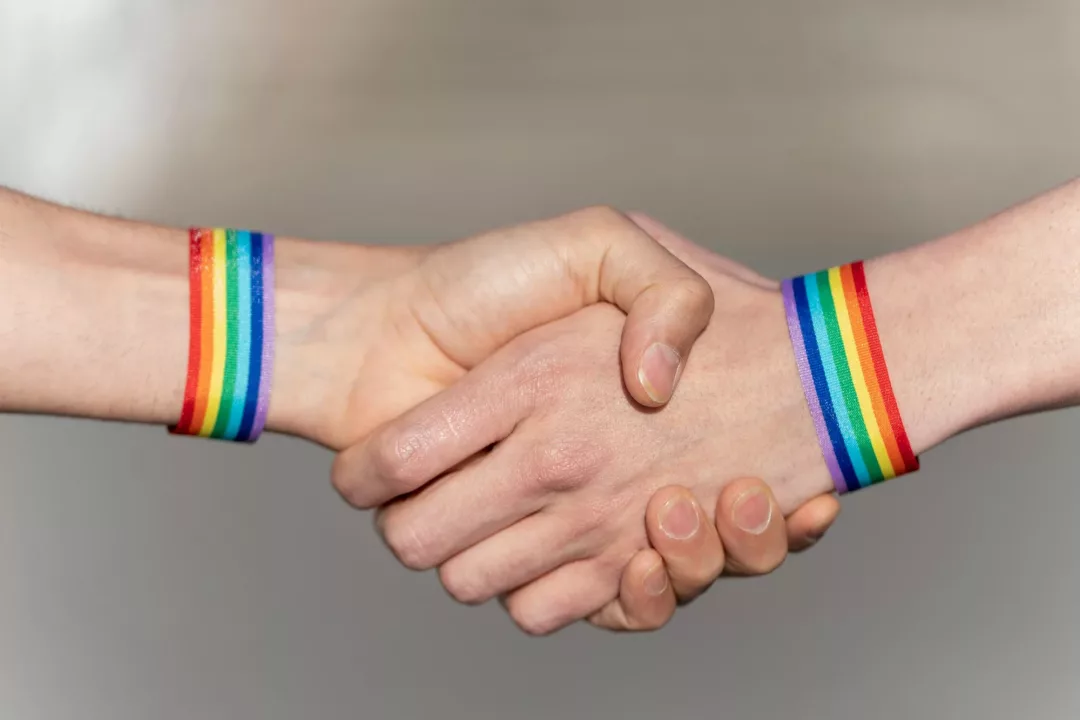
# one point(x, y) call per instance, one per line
point(231, 344)
point(847, 387)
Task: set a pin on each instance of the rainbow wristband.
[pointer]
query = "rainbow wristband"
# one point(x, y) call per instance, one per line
point(843, 373)
point(231, 350)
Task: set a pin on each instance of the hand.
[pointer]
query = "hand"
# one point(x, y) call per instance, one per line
point(363, 333)
point(434, 313)
point(689, 553)
point(575, 462)
point(750, 537)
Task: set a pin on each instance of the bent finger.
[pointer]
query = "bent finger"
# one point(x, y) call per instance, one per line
point(646, 599)
point(681, 532)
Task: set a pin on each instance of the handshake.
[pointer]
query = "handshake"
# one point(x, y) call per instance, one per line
point(577, 416)
point(474, 394)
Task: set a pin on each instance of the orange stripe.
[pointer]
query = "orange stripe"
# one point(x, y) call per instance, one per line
point(206, 357)
point(851, 297)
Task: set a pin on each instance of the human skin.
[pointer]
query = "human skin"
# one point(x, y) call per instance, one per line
point(750, 535)
point(363, 331)
point(93, 314)
point(978, 326)
point(553, 513)
point(688, 552)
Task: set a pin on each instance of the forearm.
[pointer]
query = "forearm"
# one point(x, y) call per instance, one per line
point(984, 324)
point(94, 315)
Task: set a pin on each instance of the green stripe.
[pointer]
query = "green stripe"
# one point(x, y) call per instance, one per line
point(232, 310)
point(843, 372)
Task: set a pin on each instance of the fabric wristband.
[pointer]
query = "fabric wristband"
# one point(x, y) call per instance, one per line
point(231, 344)
point(844, 378)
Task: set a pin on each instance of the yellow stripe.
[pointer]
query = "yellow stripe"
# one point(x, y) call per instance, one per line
point(221, 327)
point(862, 390)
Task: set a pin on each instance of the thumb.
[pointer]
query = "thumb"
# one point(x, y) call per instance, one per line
point(668, 305)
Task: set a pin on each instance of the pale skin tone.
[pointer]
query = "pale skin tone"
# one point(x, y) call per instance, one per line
point(94, 319)
point(581, 496)
point(978, 326)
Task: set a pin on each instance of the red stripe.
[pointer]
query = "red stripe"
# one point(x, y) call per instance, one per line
point(195, 332)
point(911, 462)
point(206, 348)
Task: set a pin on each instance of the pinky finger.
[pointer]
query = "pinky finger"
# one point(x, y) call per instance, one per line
point(646, 599)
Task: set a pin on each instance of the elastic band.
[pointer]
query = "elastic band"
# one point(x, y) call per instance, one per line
point(231, 340)
point(843, 373)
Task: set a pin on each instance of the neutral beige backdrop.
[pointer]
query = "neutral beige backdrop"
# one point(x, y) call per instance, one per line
point(146, 577)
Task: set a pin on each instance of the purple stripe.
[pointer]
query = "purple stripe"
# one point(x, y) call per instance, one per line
point(797, 344)
point(269, 332)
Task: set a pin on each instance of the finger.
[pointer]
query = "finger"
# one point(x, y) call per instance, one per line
point(646, 598)
point(510, 559)
point(668, 305)
point(435, 436)
point(564, 596)
point(689, 252)
point(809, 523)
point(681, 532)
point(751, 528)
point(463, 508)
point(516, 479)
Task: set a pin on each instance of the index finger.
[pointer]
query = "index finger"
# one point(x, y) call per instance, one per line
point(443, 431)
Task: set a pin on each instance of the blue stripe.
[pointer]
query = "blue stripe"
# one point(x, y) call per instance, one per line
point(251, 398)
point(243, 348)
point(821, 385)
point(846, 428)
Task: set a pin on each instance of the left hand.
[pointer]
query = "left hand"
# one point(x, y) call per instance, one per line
point(688, 553)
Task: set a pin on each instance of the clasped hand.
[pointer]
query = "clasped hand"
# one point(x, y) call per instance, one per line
point(519, 432)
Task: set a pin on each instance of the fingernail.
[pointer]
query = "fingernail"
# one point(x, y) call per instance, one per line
point(659, 368)
point(656, 580)
point(679, 519)
point(752, 512)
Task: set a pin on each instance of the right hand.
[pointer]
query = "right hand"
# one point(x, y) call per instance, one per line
point(379, 331)
point(574, 464)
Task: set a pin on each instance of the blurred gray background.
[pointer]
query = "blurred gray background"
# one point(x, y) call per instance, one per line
point(142, 577)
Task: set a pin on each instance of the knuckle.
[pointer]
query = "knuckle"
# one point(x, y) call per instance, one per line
point(601, 217)
point(397, 457)
point(693, 293)
point(407, 544)
point(538, 368)
point(564, 464)
point(532, 622)
point(342, 481)
point(463, 584)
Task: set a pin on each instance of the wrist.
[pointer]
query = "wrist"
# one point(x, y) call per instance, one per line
point(928, 347)
point(95, 318)
point(332, 302)
point(969, 337)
